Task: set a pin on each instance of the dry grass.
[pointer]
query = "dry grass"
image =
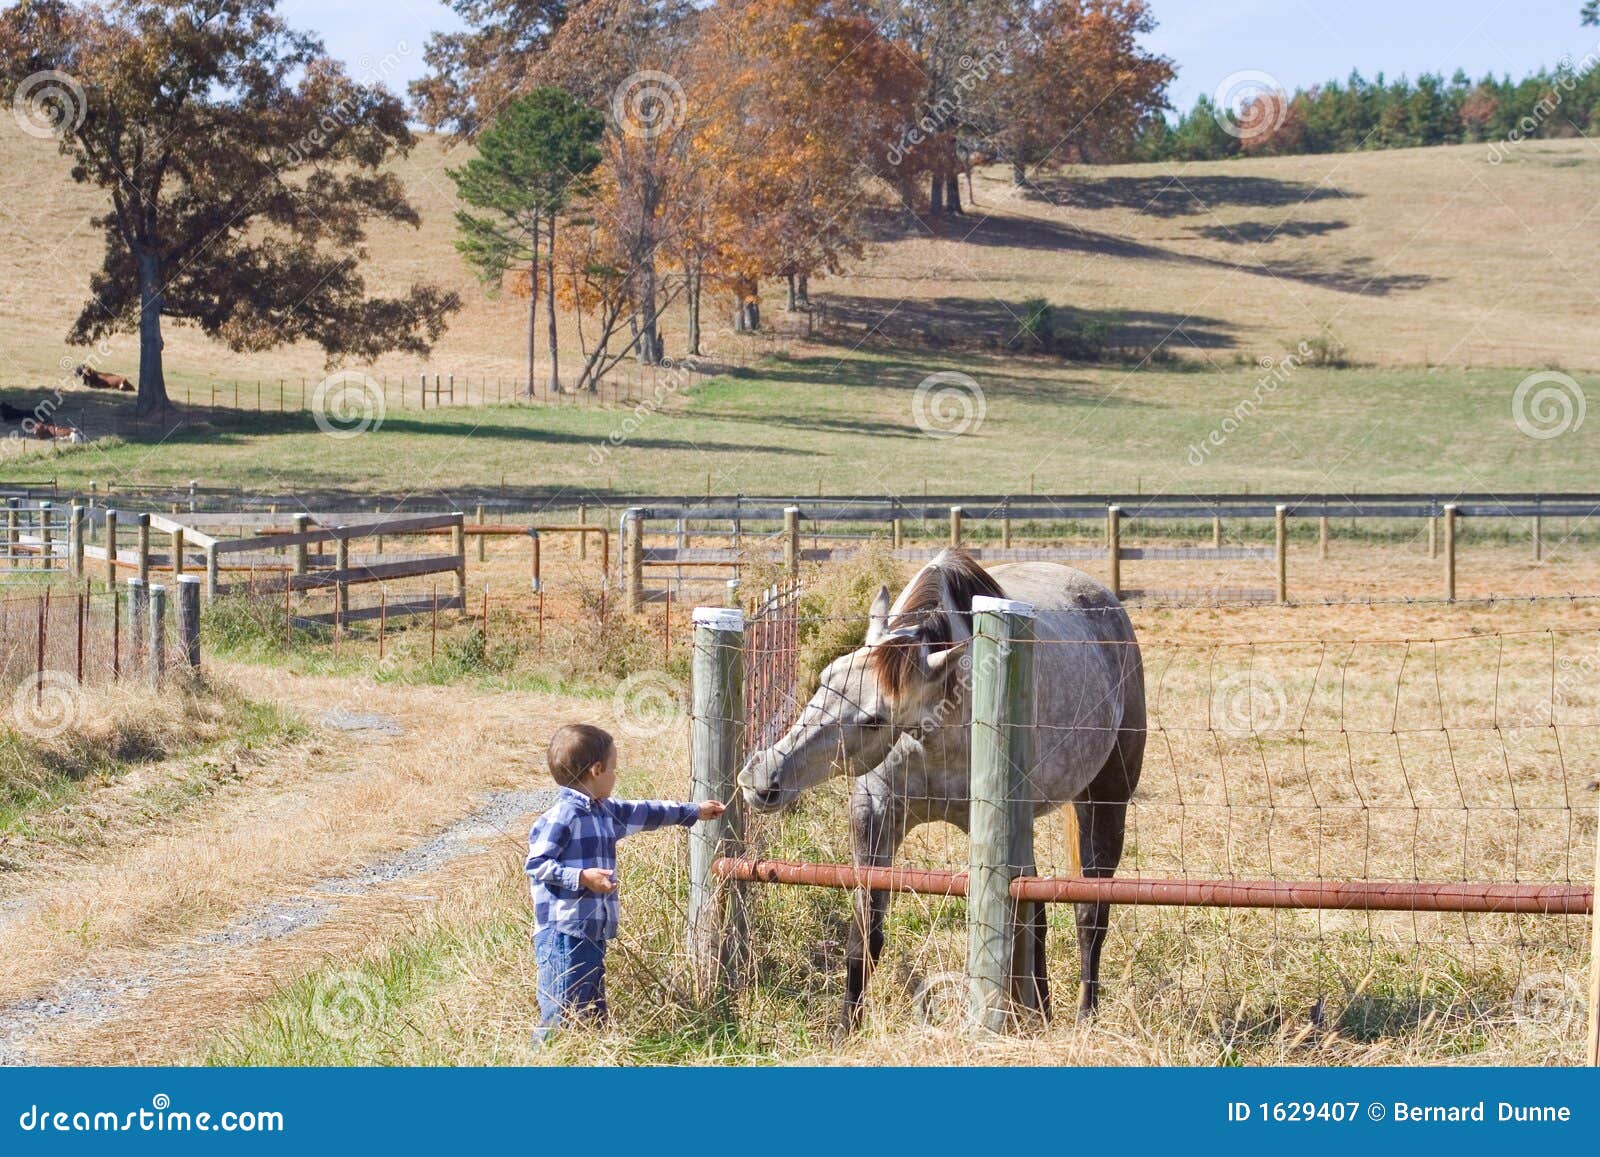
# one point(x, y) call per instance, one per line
point(1414, 257)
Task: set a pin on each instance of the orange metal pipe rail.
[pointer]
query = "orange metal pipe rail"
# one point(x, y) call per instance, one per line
point(1539, 899)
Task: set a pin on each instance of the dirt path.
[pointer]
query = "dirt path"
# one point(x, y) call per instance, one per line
point(134, 953)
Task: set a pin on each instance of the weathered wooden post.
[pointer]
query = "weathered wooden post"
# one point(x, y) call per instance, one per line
point(1005, 530)
point(144, 548)
point(13, 539)
point(1000, 965)
point(1538, 538)
point(212, 585)
point(177, 552)
point(1433, 536)
point(1281, 528)
point(156, 655)
point(1216, 531)
point(1594, 964)
point(111, 550)
point(955, 526)
point(716, 910)
point(75, 526)
point(484, 538)
point(1450, 552)
point(897, 532)
point(138, 618)
point(633, 551)
point(458, 545)
point(1114, 547)
point(47, 549)
point(791, 541)
point(302, 550)
point(341, 564)
point(1322, 538)
point(189, 620)
point(583, 535)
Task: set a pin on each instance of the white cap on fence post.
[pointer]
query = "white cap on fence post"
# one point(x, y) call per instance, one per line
point(981, 603)
point(720, 618)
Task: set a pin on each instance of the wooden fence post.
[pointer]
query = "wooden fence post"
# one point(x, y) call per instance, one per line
point(1114, 547)
point(177, 553)
point(583, 535)
point(341, 563)
point(1216, 531)
point(458, 542)
point(1281, 532)
point(13, 539)
point(1000, 960)
point(1450, 552)
point(1005, 530)
point(1594, 962)
point(791, 541)
point(139, 619)
point(75, 527)
point(1322, 537)
point(1538, 538)
point(189, 620)
point(897, 531)
point(483, 539)
point(1433, 536)
point(111, 550)
point(302, 550)
point(716, 910)
point(156, 653)
point(144, 550)
point(212, 585)
point(955, 526)
point(47, 549)
point(633, 559)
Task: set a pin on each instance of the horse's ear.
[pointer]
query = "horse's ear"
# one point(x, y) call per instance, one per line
point(939, 663)
point(878, 617)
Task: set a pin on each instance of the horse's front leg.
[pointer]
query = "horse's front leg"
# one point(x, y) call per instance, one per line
point(874, 831)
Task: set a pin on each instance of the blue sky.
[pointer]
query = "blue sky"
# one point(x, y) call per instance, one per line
point(1299, 42)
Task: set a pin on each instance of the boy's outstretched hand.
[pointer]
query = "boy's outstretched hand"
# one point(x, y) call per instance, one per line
point(601, 880)
point(711, 809)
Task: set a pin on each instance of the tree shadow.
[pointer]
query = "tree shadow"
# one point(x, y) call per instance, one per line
point(1178, 196)
point(995, 324)
point(1266, 232)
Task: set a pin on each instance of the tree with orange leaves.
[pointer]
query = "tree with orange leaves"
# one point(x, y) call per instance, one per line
point(798, 106)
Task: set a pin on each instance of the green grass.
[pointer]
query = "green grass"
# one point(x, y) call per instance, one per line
point(841, 422)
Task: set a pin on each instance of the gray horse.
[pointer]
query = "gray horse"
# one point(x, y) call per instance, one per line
point(895, 716)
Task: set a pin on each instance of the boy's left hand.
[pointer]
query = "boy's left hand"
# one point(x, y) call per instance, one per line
point(711, 809)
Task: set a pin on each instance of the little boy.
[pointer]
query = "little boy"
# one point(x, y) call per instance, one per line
point(572, 861)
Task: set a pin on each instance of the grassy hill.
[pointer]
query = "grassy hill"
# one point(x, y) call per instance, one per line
point(1447, 279)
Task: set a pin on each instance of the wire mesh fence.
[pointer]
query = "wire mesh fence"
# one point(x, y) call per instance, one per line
point(1342, 843)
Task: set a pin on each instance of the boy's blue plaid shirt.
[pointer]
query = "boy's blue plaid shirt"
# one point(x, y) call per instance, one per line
point(579, 832)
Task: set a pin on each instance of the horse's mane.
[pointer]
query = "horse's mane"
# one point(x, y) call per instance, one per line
point(926, 618)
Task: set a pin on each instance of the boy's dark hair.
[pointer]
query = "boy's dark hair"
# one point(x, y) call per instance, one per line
point(574, 749)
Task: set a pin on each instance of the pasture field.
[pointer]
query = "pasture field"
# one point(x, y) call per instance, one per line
point(351, 896)
point(845, 421)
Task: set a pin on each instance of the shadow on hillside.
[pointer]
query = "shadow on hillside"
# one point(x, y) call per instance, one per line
point(1266, 232)
point(1179, 196)
point(1354, 275)
point(996, 323)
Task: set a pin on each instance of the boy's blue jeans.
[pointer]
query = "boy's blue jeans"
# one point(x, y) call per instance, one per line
point(572, 978)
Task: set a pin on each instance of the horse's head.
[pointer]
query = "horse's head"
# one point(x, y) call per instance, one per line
point(903, 684)
point(81, 371)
